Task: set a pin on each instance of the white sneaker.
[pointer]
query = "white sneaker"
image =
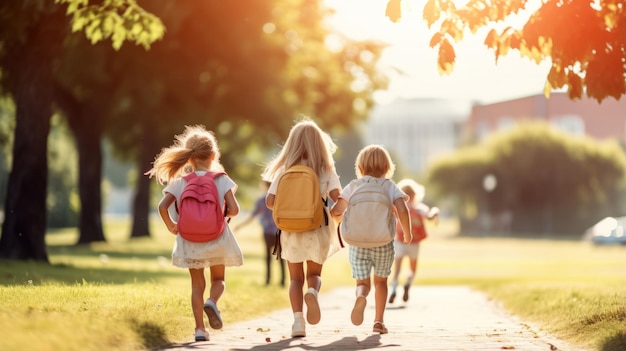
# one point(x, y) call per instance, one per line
point(215, 318)
point(298, 329)
point(313, 313)
point(202, 335)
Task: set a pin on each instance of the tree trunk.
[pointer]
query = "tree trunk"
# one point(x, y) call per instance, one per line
point(86, 125)
point(89, 181)
point(24, 227)
point(30, 66)
point(141, 204)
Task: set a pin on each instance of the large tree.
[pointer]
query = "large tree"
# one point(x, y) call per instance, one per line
point(240, 75)
point(584, 40)
point(246, 78)
point(31, 45)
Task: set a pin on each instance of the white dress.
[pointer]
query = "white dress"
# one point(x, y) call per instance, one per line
point(314, 245)
point(222, 251)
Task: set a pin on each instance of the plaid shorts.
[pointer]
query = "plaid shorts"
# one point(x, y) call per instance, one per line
point(363, 260)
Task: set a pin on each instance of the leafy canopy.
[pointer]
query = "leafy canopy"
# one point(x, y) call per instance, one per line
point(584, 40)
point(119, 20)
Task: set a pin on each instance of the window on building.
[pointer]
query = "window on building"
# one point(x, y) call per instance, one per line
point(505, 123)
point(572, 124)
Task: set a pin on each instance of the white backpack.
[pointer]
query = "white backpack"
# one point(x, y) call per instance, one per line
point(369, 220)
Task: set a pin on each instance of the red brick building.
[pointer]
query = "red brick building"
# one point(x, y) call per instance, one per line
point(581, 117)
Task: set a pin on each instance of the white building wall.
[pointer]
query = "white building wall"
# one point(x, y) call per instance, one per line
point(417, 130)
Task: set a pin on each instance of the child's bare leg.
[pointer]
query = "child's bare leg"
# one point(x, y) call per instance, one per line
point(198, 285)
point(397, 263)
point(314, 275)
point(296, 276)
point(363, 287)
point(380, 287)
point(218, 284)
point(409, 279)
point(215, 292)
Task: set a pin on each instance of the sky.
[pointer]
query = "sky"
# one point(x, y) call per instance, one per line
point(475, 76)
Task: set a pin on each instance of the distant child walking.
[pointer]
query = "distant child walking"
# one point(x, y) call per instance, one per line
point(306, 145)
point(269, 234)
point(419, 213)
point(196, 151)
point(370, 232)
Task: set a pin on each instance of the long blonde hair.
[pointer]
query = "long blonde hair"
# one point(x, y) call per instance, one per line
point(374, 160)
point(306, 144)
point(194, 144)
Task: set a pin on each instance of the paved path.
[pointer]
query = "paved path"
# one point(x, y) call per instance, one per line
point(436, 318)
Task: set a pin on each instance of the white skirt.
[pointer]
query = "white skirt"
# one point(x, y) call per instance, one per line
point(315, 245)
point(224, 250)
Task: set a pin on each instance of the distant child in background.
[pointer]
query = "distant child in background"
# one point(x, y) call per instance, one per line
point(373, 164)
point(419, 213)
point(269, 233)
point(306, 145)
point(196, 150)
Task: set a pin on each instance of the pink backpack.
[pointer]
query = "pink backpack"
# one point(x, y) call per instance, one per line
point(200, 215)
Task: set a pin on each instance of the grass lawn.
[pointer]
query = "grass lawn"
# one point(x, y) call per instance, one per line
point(125, 295)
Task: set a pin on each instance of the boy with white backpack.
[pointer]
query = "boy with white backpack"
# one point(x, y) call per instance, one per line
point(369, 205)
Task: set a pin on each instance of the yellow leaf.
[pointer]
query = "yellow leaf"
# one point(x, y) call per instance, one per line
point(446, 57)
point(435, 40)
point(431, 12)
point(491, 39)
point(394, 11)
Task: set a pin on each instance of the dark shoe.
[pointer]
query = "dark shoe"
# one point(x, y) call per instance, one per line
point(392, 297)
point(405, 297)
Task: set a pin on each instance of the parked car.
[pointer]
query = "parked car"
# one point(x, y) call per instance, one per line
point(608, 231)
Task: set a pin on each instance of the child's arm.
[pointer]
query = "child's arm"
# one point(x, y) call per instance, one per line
point(405, 219)
point(269, 201)
point(339, 208)
point(433, 214)
point(167, 200)
point(334, 195)
point(250, 217)
point(232, 206)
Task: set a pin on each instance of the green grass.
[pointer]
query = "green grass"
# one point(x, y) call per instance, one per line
point(125, 295)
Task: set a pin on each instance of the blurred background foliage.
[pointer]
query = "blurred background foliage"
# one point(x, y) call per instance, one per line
point(543, 181)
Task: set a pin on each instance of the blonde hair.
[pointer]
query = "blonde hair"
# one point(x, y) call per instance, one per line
point(194, 144)
point(306, 144)
point(374, 160)
point(414, 189)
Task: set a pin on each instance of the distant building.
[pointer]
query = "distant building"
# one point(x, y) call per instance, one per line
point(417, 130)
point(579, 117)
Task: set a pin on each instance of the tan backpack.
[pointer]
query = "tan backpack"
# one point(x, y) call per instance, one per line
point(298, 206)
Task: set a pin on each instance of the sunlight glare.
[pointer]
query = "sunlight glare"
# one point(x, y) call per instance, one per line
point(411, 64)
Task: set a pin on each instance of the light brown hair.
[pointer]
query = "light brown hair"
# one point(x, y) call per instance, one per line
point(374, 160)
point(195, 144)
